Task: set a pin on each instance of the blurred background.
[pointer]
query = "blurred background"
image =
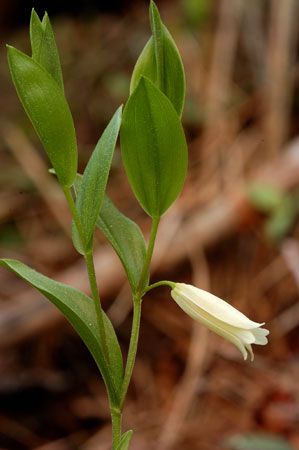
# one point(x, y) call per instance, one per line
point(234, 231)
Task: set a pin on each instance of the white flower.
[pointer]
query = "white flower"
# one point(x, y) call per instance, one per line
point(220, 317)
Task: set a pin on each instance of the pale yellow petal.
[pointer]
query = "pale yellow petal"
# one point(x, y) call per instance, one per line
point(213, 325)
point(248, 346)
point(260, 336)
point(214, 305)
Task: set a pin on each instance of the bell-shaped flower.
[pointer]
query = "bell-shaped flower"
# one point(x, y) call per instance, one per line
point(220, 317)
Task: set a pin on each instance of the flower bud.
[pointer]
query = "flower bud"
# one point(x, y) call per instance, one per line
point(220, 317)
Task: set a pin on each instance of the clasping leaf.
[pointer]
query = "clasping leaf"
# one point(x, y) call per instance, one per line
point(153, 147)
point(125, 441)
point(123, 234)
point(160, 61)
point(44, 50)
point(125, 237)
point(94, 180)
point(48, 110)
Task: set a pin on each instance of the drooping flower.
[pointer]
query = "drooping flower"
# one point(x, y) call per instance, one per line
point(220, 317)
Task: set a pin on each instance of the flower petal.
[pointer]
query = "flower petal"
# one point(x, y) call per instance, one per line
point(260, 336)
point(220, 317)
point(214, 306)
point(213, 325)
point(249, 348)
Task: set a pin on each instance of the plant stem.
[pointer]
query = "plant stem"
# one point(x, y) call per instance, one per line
point(137, 300)
point(88, 256)
point(148, 256)
point(74, 212)
point(170, 284)
point(132, 349)
point(96, 298)
point(116, 427)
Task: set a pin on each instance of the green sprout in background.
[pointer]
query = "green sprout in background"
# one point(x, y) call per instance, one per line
point(280, 209)
point(154, 154)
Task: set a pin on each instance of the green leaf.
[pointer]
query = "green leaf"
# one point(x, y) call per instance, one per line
point(75, 234)
point(77, 240)
point(153, 148)
point(48, 110)
point(157, 31)
point(160, 61)
point(94, 180)
point(125, 441)
point(126, 238)
point(123, 234)
point(80, 311)
point(44, 50)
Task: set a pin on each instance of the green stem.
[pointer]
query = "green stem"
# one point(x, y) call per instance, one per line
point(88, 256)
point(159, 283)
point(116, 427)
point(96, 298)
point(149, 254)
point(132, 349)
point(137, 300)
point(90, 269)
point(74, 212)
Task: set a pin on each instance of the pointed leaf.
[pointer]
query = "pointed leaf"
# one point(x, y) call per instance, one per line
point(75, 234)
point(125, 237)
point(48, 110)
point(153, 148)
point(77, 240)
point(160, 61)
point(123, 234)
point(79, 309)
point(44, 50)
point(157, 30)
point(125, 441)
point(94, 180)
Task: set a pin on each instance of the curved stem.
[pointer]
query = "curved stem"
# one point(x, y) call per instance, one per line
point(170, 284)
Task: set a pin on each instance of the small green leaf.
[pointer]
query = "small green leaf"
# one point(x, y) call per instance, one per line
point(80, 311)
point(94, 180)
point(125, 441)
point(125, 237)
point(160, 61)
point(48, 110)
point(44, 50)
point(153, 148)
